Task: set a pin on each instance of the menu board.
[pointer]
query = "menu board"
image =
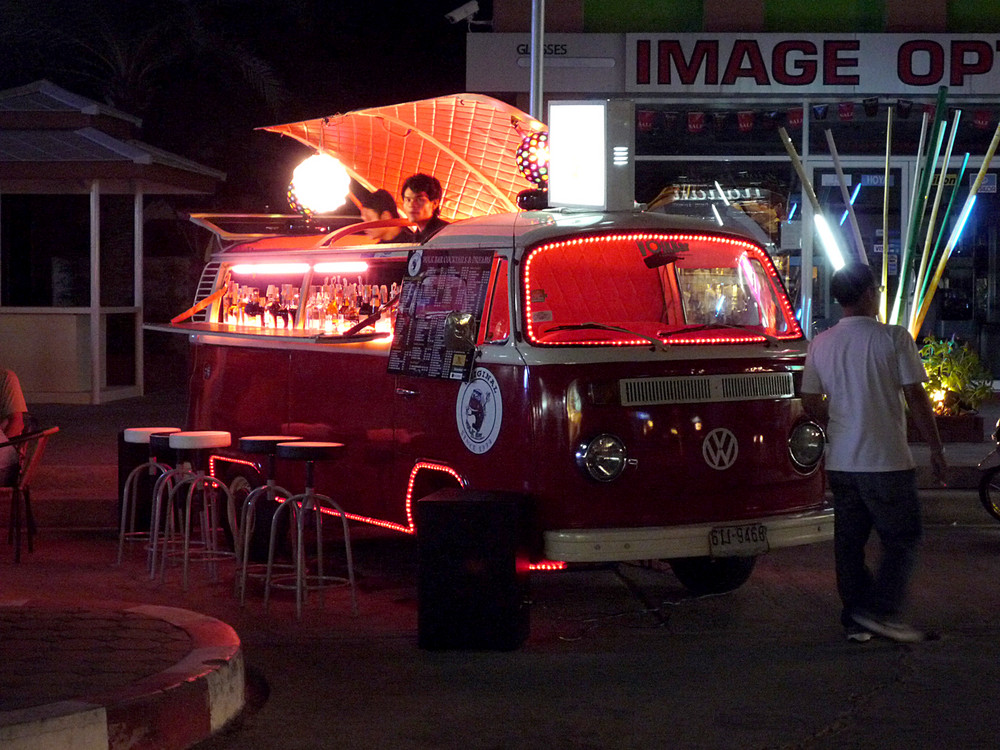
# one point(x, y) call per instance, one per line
point(438, 283)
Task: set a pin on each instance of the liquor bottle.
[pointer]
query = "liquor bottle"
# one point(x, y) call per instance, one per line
point(254, 310)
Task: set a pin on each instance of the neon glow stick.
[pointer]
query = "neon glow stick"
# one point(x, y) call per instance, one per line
point(916, 217)
point(722, 193)
point(884, 296)
point(924, 259)
point(957, 231)
point(833, 251)
point(848, 201)
point(718, 218)
point(904, 240)
point(944, 224)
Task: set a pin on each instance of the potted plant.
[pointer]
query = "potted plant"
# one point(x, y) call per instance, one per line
point(958, 383)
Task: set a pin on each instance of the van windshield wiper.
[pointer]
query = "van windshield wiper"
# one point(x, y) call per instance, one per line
point(769, 340)
point(657, 344)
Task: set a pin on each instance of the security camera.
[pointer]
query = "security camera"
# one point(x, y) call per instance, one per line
point(463, 12)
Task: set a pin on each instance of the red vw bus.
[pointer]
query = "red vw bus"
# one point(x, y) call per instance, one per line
point(635, 375)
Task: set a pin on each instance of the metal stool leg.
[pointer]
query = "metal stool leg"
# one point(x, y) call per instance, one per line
point(292, 505)
point(208, 520)
point(320, 500)
point(126, 528)
point(269, 493)
point(163, 507)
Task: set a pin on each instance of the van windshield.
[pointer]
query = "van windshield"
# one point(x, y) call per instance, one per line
point(634, 288)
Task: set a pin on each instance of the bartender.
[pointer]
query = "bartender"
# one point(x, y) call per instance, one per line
point(422, 204)
point(380, 205)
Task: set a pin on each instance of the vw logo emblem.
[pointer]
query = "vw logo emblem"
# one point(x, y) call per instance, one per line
point(720, 448)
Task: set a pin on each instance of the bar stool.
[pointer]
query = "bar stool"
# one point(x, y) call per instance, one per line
point(159, 444)
point(301, 506)
point(266, 445)
point(130, 500)
point(191, 447)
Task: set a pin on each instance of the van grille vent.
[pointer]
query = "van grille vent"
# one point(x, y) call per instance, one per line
point(700, 388)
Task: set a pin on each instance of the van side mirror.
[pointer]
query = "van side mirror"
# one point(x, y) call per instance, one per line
point(459, 332)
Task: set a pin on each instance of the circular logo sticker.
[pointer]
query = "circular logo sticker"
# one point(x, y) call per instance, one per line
point(720, 448)
point(479, 411)
point(414, 263)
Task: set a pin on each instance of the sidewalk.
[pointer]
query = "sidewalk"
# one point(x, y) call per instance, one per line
point(115, 665)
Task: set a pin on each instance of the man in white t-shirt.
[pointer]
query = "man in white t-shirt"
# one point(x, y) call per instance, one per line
point(858, 376)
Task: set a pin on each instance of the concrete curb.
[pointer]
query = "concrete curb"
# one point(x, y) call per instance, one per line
point(171, 709)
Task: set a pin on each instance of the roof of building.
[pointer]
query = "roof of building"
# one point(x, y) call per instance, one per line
point(55, 141)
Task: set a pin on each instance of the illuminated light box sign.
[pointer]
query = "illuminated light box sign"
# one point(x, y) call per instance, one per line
point(592, 154)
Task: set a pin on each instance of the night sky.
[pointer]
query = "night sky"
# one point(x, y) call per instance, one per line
point(202, 74)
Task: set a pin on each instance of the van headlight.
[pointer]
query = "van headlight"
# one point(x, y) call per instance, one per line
point(805, 445)
point(604, 458)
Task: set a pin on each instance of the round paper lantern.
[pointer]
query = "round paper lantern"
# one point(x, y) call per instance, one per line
point(532, 158)
point(319, 185)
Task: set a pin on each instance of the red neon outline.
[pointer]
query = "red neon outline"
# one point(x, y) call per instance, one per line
point(749, 248)
point(215, 457)
point(546, 566)
point(411, 527)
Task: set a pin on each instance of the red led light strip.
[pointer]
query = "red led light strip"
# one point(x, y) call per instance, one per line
point(410, 528)
point(545, 566)
point(213, 458)
point(746, 247)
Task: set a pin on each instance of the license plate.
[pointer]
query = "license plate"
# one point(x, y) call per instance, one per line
point(731, 541)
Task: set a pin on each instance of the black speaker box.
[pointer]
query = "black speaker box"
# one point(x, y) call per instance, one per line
point(473, 574)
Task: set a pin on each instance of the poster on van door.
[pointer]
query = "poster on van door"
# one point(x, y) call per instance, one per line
point(438, 283)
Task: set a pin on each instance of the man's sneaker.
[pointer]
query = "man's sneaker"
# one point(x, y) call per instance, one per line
point(896, 631)
point(857, 634)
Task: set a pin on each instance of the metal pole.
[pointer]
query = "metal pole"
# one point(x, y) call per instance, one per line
point(138, 296)
point(96, 355)
point(537, 57)
point(855, 229)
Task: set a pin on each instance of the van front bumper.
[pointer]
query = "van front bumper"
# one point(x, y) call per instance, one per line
point(663, 542)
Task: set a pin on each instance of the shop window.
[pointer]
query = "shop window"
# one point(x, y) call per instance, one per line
point(120, 331)
point(117, 250)
point(45, 250)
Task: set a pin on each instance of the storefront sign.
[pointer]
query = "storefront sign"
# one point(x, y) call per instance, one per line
point(576, 63)
point(812, 63)
point(767, 64)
